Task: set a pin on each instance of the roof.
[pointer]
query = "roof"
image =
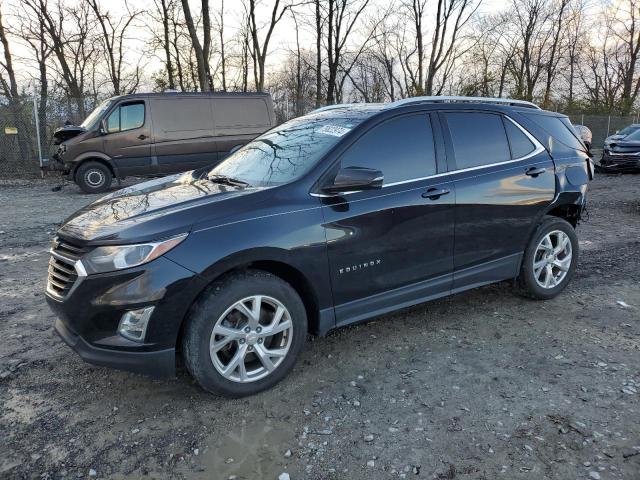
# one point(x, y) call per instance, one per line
point(194, 94)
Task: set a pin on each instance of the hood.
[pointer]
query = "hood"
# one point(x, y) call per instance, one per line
point(623, 146)
point(63, 134)
point(139, 206)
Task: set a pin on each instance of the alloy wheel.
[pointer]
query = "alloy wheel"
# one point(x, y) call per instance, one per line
point(251, 338)
point(552, 259)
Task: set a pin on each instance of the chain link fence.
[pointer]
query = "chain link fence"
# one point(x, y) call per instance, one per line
point(27, 125)
point(602, 126)
point(18, 139)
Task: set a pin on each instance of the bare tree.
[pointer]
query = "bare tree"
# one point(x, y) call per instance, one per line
point(260, 49)
point(626, 28)
point(223, 56)
point(113, 36)
point(342, 17)
point(33, 33)
point(165, 5)
point(10, 90)
point(553, 58)
point(318, 25)
point(74, 49)
point(202, 50)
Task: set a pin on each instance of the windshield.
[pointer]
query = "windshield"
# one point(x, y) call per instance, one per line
point(286, 152)
point(628, 130)
point(633, 135)
point(94, 116)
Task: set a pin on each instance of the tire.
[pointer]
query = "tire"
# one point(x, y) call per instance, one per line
point(207, 353)
point(93, 177)
point(533, 281)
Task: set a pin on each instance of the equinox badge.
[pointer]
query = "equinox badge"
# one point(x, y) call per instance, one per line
point(360, 266)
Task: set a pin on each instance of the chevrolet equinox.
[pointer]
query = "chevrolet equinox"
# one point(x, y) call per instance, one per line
point(346, 213)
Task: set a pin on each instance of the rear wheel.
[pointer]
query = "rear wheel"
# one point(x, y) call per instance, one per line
point(245, 333)
point(93, 177)
point(550, 259)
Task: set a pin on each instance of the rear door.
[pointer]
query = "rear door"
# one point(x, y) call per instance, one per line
point(183, 133)
point(128, 138)
point(392, 246)
point(504, 180)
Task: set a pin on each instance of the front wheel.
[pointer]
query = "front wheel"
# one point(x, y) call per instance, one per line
point(550, 259)
point(244, 334)
point(93, 177)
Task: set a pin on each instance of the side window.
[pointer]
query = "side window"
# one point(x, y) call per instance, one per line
point(478, 138)
point(521, 146)
point(126, 117)
point(113, 122)
point(559, 128)
point(401, 148)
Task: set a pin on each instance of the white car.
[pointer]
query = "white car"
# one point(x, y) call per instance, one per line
point(585, 135)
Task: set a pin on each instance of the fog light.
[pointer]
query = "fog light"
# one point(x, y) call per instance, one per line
point(133, 324)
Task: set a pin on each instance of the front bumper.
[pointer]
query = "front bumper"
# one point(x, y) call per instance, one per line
point(160, 363)
point(56, 163)
point(89, 315)
point(619, 163)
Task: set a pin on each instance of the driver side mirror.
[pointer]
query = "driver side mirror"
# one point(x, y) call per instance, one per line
point(354, 179)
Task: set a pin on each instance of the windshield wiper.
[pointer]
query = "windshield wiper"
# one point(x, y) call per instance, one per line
point(227, 181)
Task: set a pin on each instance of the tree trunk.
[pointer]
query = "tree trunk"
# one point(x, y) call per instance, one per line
point(167, 46)
point(201, 60)
point(318, 55)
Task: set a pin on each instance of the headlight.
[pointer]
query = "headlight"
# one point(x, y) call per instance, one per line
point(117, 257)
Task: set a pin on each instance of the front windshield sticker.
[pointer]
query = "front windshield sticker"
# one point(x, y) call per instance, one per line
point(334, 130)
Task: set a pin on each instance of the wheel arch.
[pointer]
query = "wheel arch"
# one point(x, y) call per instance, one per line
point(275, 266)
point(94, 157)
point(568, 211)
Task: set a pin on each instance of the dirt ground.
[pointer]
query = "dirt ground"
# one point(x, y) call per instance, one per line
point(481, 385)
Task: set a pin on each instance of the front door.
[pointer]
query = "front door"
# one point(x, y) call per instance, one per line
point(504, 180)
point(392, 246)
point(128, 139)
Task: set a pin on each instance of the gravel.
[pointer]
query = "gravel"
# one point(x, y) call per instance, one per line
point(484, 384)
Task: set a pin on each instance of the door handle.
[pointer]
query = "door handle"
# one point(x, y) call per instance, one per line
point(435, 193)
point(142, 136)
point(534, 171)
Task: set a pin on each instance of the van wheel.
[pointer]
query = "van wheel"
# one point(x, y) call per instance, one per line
point(550, 259)
point(244, 334)
point(93, 177)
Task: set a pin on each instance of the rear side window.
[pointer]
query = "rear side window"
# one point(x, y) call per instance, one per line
point(401, 148)
point(126, 117)
point(521, 146)
point(478, 138)
point(559, 128)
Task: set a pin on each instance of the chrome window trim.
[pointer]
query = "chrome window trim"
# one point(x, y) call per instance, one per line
point(536, 151)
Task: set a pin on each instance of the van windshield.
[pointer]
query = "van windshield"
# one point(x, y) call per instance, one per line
point(94, 116)
point(286, 152)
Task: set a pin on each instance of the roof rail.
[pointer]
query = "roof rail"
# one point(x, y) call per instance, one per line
point(453, 99)
point(334, 106)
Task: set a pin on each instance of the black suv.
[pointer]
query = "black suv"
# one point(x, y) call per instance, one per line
point(344, 214)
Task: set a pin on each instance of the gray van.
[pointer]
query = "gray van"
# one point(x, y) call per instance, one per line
point(157, 134)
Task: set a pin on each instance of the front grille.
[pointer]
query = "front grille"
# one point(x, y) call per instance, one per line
point(62, 271)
